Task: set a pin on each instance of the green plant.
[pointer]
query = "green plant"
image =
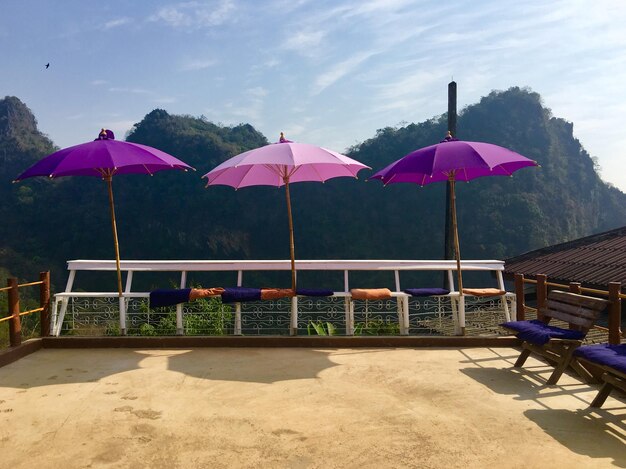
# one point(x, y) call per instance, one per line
point(321, 328)
point(377, 327)
point(147, 329)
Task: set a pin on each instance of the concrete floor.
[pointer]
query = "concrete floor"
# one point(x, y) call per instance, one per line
point(300, 408)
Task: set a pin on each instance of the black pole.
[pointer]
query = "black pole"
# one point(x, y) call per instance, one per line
point(449, 235)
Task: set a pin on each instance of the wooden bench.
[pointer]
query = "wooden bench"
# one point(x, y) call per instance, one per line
point(604, 360)
point(556, 344)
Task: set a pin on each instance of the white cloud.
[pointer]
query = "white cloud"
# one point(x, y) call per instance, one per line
point(196, 15)
point(130, 90)
point(116, 23)
point(197, 64)
point(304, 42)
point(165, 100)
point(339, 70)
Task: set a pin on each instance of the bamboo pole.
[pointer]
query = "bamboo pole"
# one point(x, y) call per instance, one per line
point(108, 178)
point(455, 229)
point(291, 241)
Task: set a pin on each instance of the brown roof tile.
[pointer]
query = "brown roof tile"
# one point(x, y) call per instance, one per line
point(593, 261)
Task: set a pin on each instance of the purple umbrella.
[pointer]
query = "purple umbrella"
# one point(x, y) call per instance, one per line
point(279, 164)
point(453, 160)
point(104, 158)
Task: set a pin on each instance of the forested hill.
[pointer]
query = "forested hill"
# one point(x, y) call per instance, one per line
point(173, 216)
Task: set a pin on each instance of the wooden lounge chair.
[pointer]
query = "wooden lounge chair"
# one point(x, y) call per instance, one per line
point(610, 361)
point(556, 344)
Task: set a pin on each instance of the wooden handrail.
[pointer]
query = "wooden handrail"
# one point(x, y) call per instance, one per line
point(14, 313)
point(30, 284)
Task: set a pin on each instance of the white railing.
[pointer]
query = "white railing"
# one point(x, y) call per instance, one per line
point(182, 267)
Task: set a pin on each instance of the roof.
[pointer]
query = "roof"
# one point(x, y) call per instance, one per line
point(593, 261)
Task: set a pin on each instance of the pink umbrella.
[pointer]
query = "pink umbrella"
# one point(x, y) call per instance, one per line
point(104, 158)
point(453, 160)
point(279, 164)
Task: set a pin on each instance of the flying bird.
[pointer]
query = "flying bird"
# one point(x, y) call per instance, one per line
point(48, 64)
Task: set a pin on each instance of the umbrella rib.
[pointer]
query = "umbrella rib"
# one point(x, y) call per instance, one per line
point(316, 172)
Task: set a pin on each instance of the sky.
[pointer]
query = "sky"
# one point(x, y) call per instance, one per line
point(328, 73)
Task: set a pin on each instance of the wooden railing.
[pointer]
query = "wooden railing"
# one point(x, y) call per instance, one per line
point(15, 313)
point(613, 293)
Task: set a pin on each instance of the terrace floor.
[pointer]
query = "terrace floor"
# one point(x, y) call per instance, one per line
point(300, 408)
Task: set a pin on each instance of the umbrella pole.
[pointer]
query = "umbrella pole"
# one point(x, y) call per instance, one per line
point(109, 179)
point(291, 243)
point(457, 252)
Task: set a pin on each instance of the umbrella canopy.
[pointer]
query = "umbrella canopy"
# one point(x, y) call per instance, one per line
point(279, 164)
point(105, 157)
point(453, 160)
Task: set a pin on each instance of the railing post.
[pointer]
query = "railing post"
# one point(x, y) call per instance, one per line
point(520, 313)
point(15, 325)
point(44, 303)
point(542, 294)
point(615, 313)
point(574, 287)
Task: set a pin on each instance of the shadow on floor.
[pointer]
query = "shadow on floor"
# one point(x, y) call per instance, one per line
point(558, 423)
point(251, 365)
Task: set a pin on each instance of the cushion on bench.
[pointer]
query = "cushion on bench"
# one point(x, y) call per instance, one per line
point(613, 356)
point(163, 297)
point(276, 293)
point(197, 293)
point(314, 292)
point(370, 293)
point(426, 291)
point(483, 291)
point(240, 294)
point(540, 333)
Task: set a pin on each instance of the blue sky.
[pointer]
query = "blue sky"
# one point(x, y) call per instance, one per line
point(325, 72)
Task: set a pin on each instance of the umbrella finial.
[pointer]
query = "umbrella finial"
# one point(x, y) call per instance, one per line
point(106, 134)
point(282, 139)
point(449, 137)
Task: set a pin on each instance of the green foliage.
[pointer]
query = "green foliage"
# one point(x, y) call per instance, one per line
point(210, 317)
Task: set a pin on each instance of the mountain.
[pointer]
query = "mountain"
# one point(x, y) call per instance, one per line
point(173, 216)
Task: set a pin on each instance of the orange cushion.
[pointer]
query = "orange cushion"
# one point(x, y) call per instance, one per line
point(276, 293)
point(483, 291)
point(370, 293)
point(196, 293)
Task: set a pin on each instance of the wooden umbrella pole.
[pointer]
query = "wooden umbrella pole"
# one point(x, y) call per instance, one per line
point(291, 243)
point(114, 227)
point(455, 229)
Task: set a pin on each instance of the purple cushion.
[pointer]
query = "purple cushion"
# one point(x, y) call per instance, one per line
point(426, 291)
point(161, 297)
point(540, 333)
point(313, 292)
point(605, 354)
point(240, 294)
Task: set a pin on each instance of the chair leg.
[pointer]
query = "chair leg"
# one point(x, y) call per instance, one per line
point(604, 392)
point(566, 358)
point(522, 358)
point(586, 376)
